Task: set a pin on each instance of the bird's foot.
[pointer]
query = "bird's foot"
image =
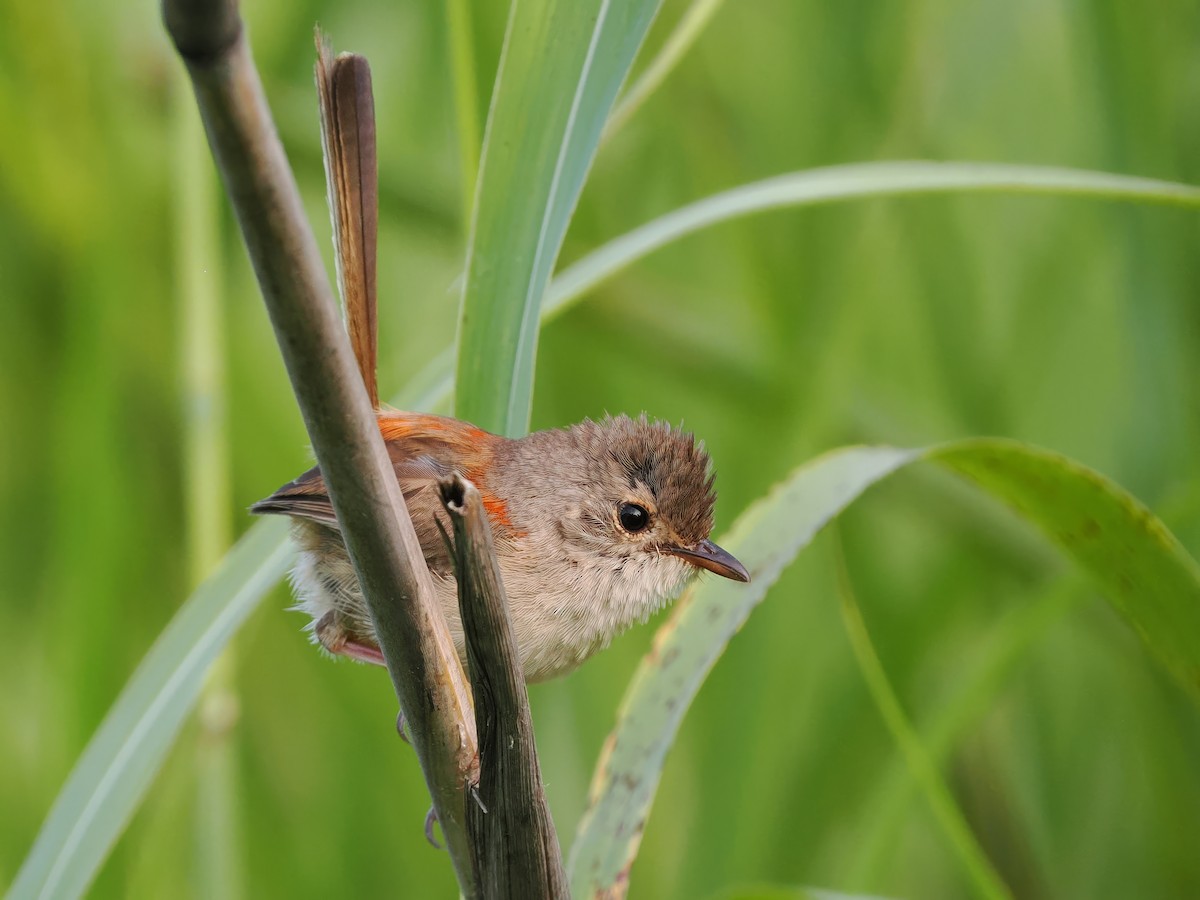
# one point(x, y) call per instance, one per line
point(334, 637)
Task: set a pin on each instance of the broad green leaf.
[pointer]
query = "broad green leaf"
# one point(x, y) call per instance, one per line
point(127, 750)
point(1138, 564)
point(1134, 559)
point(562, 64)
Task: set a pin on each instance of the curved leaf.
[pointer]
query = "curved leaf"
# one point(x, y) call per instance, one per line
point(1137, 563)
point(1131, 555)
point(856, 181)
point(812, 187)
point(125, 754)
point(562, 64)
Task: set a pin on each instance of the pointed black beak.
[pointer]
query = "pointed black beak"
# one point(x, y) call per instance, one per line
point(708, 555)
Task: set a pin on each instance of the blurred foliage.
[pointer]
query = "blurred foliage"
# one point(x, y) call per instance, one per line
point(1068, 323)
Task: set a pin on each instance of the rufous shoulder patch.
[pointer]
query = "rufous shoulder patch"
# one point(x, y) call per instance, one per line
point(398, 426)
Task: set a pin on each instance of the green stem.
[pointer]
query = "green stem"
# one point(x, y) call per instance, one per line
point(206, 488)
point(690, 27)
point(466, 100)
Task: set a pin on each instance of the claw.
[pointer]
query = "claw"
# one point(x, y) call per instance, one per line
point(402, 727)
point(333, 636)
point(430, 819)
point(473, 789)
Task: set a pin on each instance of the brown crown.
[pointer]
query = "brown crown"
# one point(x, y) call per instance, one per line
point(669, 462)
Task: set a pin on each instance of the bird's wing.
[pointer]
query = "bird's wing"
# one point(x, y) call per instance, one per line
point(423, 449)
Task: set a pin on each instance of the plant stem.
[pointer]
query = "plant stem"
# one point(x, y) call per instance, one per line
point(512, 835)
point(206, 493)
point(378, 533)
point(466, 101)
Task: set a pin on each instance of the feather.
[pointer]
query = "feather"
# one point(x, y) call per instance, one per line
point(352, 179)
point(423, 449)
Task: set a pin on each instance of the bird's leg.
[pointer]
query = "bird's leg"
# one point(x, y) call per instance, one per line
point(431, 819)
point(402, 727)
point(334, 637)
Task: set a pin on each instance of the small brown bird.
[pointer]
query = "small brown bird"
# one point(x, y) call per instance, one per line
point(595, 527)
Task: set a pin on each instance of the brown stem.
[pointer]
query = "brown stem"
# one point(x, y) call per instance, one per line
point(515, 846)
point(420, 655)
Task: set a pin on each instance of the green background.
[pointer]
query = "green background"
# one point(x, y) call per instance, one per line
point(1069, 323)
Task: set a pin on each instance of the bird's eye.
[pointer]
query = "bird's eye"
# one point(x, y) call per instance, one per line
point(633, 518)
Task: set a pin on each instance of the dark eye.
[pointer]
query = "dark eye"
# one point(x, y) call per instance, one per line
point(633, 518)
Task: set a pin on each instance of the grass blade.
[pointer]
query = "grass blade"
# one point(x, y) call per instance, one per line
point(809, 188)
point(691, 25)
point(562, 64)
point(207, 491)
point(127, 750)
point(1136, 561)
point(836, 184)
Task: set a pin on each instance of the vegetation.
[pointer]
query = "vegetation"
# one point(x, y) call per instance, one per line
point(1029, 741)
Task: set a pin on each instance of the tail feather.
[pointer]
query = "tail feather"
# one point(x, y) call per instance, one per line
point(304, 497)
point(351, 173)
point(318, 509)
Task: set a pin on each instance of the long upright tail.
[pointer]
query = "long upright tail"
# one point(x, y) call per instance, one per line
point(352, 178)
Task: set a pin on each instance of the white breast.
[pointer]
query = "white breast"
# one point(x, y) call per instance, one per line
point(557, 628)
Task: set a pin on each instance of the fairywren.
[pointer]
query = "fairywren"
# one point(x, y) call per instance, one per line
point(595, 527)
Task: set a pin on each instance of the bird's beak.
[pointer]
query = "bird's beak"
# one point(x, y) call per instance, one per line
point(708, 555)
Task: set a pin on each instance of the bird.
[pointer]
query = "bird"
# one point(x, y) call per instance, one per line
point(595, 527)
